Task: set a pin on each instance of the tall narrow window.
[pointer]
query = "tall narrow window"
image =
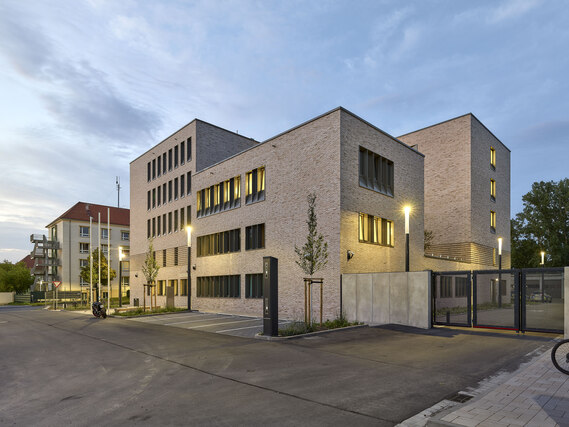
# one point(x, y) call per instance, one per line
point(170, 190)
point(493, 190)
point(170, 159)
point(153, 168)
point(176, 156)
point(148, 200)
point(182, 220)
point(169, 222)
point(175, 188)
point(164, 195)
point(159, 195)
point(153, 227)
point(493, 221)
point(153, 198)
point(189, 181)
point(175, 220)
point(182, 153)
point(492, 158)
point(159, 165)
point(148, 228)
point(189, 141)
point(163, 166)
point(159, 225)
point(182, 186)
point(148, 172)
point(164, 224)
point(189, 215)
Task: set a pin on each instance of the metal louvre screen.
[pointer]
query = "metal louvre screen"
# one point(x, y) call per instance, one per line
point(452, 297)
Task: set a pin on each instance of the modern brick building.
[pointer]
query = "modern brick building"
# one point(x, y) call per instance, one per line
point(76, 239)
point(246, 200)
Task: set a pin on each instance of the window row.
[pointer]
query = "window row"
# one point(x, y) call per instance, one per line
point(219, 197)
point(169, 160)
point(219, 243)
point(84, 249)
point(84, 232)
point(219, 286)
point(170, 222)
point(171, 190)
point(180, 287)
point(375, 230)
point(376, 172)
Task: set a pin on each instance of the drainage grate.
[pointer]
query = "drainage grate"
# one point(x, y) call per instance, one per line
point(459, 397)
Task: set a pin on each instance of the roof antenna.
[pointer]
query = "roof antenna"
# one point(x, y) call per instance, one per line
point(118, 182)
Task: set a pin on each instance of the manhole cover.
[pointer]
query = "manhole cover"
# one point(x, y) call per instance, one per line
point(459, 397)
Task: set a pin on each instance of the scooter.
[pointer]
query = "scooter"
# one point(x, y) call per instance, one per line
point(99, 310)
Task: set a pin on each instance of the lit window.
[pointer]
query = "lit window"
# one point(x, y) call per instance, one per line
point(255, 185)
point(237, 188)
point(493, 221)
point(493, 157)
point(372, 229)
point(493, 190)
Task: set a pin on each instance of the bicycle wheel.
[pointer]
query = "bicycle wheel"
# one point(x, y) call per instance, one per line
point(560, 356)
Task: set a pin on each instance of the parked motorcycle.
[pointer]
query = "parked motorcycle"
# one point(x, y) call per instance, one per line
point(99, 310)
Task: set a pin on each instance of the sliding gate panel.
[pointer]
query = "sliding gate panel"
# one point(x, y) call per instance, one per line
point(543, 300)
point(496, 299)
point(452, 298)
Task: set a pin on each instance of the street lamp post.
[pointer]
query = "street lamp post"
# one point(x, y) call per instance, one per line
point(499, 272)
point(189, 285)
point(542, 284)
point(121, 256)
point(407, 210)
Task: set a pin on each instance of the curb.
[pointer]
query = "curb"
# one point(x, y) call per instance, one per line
point(310, 334)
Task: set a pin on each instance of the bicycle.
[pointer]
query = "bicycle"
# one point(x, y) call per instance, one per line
point(560, 356)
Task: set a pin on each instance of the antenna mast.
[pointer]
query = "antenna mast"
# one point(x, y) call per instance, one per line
point(118, 182)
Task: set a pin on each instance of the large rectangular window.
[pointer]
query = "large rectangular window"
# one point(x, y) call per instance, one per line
point(255, 185)
point(255, 237)
point(219, 243)
point(376, 172)
point(219, 286)
point(375, 230)
point(254, 285)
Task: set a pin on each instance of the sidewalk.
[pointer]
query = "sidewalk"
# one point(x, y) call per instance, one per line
point(537, 395)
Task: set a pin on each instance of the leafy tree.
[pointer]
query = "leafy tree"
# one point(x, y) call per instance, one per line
point(150, 267)
point(15, 277)
point(86, 269)
point(314, 254)
point(543, 225)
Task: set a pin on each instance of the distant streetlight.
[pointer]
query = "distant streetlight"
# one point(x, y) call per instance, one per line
point(542, 258)
point(189, 231)
point(499, 272)
point(407, 210)
point(121, 256)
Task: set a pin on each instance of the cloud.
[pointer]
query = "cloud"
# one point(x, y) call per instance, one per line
point(511, 9)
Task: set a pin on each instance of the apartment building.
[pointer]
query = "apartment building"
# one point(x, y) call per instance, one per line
point(467, 192)
point(246, 200)
point(77, 234)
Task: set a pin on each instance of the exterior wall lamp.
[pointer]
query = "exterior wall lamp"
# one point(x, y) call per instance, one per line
point(189, 232)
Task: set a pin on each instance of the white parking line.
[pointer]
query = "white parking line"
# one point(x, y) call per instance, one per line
point(192, 321)
point(215, 324)
point(160, 318)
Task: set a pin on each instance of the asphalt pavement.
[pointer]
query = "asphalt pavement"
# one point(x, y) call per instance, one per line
point(71, 368)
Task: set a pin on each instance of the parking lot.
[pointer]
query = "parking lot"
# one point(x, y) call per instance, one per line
point(241, 326)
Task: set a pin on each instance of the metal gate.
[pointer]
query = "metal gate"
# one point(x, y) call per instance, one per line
point(519, 300)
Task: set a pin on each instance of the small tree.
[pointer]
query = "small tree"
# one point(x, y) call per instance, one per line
point(86, 269)
point(150, 267)
point(313, 256)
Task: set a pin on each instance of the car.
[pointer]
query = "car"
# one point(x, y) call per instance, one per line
point(539, 297)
